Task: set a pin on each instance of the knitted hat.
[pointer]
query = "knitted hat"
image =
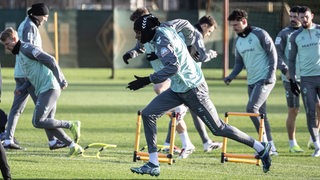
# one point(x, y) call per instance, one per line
point(146, 25)
point(39, 9)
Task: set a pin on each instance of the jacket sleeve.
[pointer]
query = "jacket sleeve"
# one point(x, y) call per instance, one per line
point(47, 60)
point(281, 43)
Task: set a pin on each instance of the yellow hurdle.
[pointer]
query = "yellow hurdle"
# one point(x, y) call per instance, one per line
point(144, 156)
point(241, 158)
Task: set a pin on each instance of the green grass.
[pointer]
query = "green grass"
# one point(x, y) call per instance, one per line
point(108, 110)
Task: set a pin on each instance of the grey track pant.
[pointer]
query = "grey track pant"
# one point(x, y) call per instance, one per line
point(45, 106)
point(198, 101)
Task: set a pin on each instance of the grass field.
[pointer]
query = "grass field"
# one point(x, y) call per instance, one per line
point(108, 111)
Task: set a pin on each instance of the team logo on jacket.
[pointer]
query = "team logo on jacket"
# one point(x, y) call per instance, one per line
point(165, 50)
point(36, 52)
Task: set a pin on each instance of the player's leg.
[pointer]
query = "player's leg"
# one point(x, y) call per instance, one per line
point(19, 102)
point(187, 146)
point(46, 103)
point(309, 86)
point(310, 144)
point(293, 110)
point(208, 144)
point(155, 109)
point(4, 166)
point(258, 94)
point(199, 102)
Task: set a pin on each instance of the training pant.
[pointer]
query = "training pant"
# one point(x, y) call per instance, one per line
point(18, 105)
point(46, 105)
point(310, 91)
point(258, 94)
point(4, 166)
point(198, 101)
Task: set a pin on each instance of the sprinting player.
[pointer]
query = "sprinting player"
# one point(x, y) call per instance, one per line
point(28, 31)
point(191, 36)
point(256, 52)
point(304, 55)
point(188, 86)
point(45, 75)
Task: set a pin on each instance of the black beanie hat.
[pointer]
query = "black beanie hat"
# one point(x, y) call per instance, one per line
point(39, 9)
point(146, 25)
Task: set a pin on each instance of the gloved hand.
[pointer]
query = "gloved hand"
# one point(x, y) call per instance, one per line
point(126, 57)
point(140, 82)
point(195, 56)
point(227, 80)
point(295, 89)
point(64, 84)
point(152, 56)
point(212, 54)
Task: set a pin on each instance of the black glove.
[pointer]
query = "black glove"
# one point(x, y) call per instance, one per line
point(294, 86)
point(227, 80)
point(140, 82)
point(126, 57)
point(152, 56)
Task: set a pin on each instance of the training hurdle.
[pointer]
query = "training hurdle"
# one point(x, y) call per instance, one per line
point(241, 158)
point(144, 156)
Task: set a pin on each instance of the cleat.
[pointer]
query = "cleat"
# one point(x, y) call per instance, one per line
point(176, 150)
point(295, 149)
point(12, 146)
point(185, 152)
point(265, 157)
point(211, 145)
point(310, 145)
point(148, 168)
point(75, 130)
point(316, 153)
point(75, 151)
point(59, 144)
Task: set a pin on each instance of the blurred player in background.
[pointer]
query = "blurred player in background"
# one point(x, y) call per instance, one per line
point(304, 54)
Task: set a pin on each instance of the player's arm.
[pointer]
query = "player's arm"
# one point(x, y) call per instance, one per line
point(269, 47)
point(292, 56)
point(281, 43)
point(134, 52)
point(203, 55)
point(237, 68)
point(165, 52)
point(49, 61)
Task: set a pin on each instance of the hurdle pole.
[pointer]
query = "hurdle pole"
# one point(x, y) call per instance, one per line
point(244, 158)
point(144, 156)
point(137, 140)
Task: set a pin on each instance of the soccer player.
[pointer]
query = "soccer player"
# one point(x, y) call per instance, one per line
point(28, 32)
point(293, 103)
point(188, 86)
point(304, 55)
point(256, 52)
point(191, 36)
point(45, 75)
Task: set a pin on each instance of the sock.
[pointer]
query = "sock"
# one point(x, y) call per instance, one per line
point(52, 142)
point(316, 144)
point(258, 146)
point(183, 139)
point(72, 145)
point(153, 158)
point(166, 144)
point(273, 147)
point(8, 141)
point(292, 143)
